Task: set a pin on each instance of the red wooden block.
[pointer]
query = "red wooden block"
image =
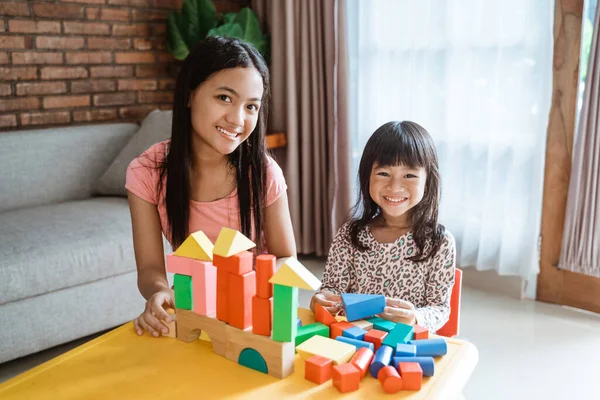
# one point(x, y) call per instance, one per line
point(420, 333)
point(204, 287)
point(318, 369)
point(346, 377)
point(390, 379)
point(337, 328)
point(241, 290)
point(262, 311)
point(222, 294)
point(237, 264)
point(376, 337)
point(362, 360)
point(412, 375)
point(265, 268)
point(323, 316)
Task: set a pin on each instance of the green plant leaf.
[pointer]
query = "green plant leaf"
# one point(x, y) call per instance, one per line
point(228, 18)
point(248, 21)
point(200, 17)
point(230, 30)
point(175, 43)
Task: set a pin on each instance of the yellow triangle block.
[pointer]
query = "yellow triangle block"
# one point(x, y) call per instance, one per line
point(294, 274)
point(197, 246)
point(231, 242)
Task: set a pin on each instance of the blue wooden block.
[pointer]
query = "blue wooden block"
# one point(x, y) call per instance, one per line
point(359, 306)
point(427, 364)
point(357, 343)
point(382, 358)
point(405, 350)
point(299, 322)
point(430, 347)
point(354, 333)
point(402, 333)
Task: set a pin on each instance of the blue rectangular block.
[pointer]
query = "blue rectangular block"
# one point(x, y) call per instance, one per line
point(357, 343)
point(406, 350)
point(354, 333)
point(359, 306)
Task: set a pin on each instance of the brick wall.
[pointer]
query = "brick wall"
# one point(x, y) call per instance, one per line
point(84, 61)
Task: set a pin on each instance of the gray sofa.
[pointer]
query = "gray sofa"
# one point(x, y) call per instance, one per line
point(67, 267)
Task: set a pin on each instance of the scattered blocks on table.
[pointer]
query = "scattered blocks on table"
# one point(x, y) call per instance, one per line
point(294, 274)
point(420, 333)
point(390, 379)
point(183, 291)
point(197, 246)
point(346, 377)
point(307, 331)
point(405, 350)
point(412, 375)
point(364, 324)
point(265, 269)
point(402, 333)
point(337, 329)
point(358, 306)
point(427, 364)
point(204, 287)
point(237, 264)
point(262, 311)
point(285, 313)
point(362, 359)
point(318, 369)
point(222, 294)
point(376, 337)
point(241, 290)
point(230, 242)
point(381, 324)
point(335, 350)
point(354, 333)
point(356, 343)
point(382, 358)
point(323, 316)
point(430, 347)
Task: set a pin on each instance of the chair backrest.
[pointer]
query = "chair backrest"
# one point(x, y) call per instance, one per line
point(451, 327)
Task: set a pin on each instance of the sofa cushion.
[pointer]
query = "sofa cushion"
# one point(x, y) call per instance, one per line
point(47, 248)
point(54, 165)
point(155, 128)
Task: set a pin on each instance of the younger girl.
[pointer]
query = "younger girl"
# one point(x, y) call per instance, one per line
point(394, 245)
point(213, 172)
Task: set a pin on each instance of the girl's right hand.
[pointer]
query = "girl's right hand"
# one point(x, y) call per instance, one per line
point(154, 313)
point(331, 302)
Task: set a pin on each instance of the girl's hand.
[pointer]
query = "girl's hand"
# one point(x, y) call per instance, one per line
point(331, 302)
point(154, 313)
point(397, 310)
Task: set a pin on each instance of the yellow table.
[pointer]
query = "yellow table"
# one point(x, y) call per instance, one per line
point(122, 365)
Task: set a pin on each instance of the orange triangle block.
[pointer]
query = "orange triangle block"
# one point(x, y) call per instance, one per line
point(294, 274)
point(197, 246)
point(230, 242)
point(323, 316)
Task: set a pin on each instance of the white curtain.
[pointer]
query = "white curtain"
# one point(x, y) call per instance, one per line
point(477, 74)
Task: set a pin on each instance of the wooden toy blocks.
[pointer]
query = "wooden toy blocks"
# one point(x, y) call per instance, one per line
point(420, 333)
point(262, 311)
point(354, 333)
point(318, 369)
point(325, 347)
point(241, 291)
point(427, 364)
point(362, 360)
point(197, 246)
point(307, 331)
point(346, 377)
point(230, 242)
point(204, 287)
point(430, 347)
point(381, 324)
point(285, 313)
point(405, 350)
point(376, 337)
point(265, 269)
point(237, 264)
point(337, 329)
point(222, 294)
point(323, 316)
point(294, 274)
point(359, 306)
point(402, 333)
point(390, 379)
point(382, 358)
point(183, 291)
point(363, 324)
point(356, 343)
point(412, 375)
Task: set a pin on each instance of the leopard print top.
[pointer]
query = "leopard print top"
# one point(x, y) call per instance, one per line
point(385, 269)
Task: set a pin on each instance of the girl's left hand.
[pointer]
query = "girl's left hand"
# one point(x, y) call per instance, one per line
point(397, 310)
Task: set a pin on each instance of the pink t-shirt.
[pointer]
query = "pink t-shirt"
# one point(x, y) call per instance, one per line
point(209, 217)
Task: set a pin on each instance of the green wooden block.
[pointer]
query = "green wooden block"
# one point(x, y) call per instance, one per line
point(401, 333)
point(381, 324)
point(252, 359)
point(307, 331)
point(183, 291)
point(285, 313)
